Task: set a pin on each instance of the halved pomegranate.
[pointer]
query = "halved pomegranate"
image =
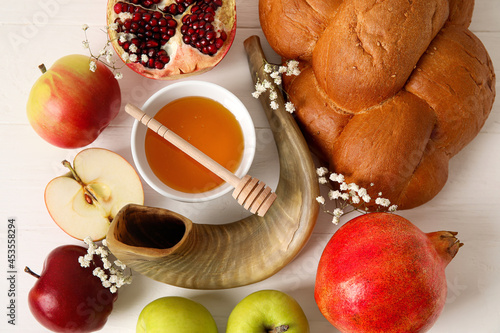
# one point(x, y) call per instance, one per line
point(169, 39)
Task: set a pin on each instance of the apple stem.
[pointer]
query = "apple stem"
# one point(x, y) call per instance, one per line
point(279, 329)
point(89, 196)
point(29, 271)
point(42, 68)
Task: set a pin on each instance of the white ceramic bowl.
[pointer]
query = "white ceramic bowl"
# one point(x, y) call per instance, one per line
point(184, 89)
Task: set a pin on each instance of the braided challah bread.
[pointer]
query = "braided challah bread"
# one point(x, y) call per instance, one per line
point(389, 90)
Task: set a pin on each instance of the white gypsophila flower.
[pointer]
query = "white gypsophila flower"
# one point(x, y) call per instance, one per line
point(120, 264)
point(133, 57)
point(339, 178)
point(88, 257)
point(362, 192)
point(106, 263)
point(113, 289)
point(338, 212)
point(322, 180)
point(266, 84)
point(88, 240)
point(85, 44)
point(83, 262)
point(101, 250)
point(355, 199)
point(277, 80)
point(372, 184)
point(320, 199)
point(85, 27)
point(282, 69)
point(256, 94)
point(96, 271)
point(118, 76)
point(103, 51)
point(379, 194)
point(335, 220)
point(92, 66)
point(109, 58)
point(259, 87)
point(274, 75)
point(344, 187)
point(268, 68)
point(273, 95)
point(122, 38)
point(393, 208)
point(321, 171)
point(144, 58)
point(366, 198)
point(113, 26)
point(113, 279)
point(289, 107)
point(132, 48)
point(353, 187)
point(125, 56)
point(333, 195)
point(382, 202)
point(344, 196)
point(274, 105)
point(296, 72)
point(106, 284)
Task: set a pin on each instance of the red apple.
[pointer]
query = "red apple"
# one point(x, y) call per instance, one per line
point(67, 297)
point(70, 105)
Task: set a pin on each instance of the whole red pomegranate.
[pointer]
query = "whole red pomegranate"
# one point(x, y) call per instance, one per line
point(380, 273)
point(169, 39)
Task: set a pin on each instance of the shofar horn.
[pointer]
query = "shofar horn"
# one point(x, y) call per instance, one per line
point(169, 248)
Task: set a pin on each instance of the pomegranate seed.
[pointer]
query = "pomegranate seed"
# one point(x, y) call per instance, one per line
point(147, 3)
point(164, 59)
point(151, 53)
point(156, 29)
point(219, 42)
point(127, 24)
point(162, 22)
point(136, 17)
point(117, 7)
point(212, 49)
point(157, 15)
point(157, 36)
point(172, 9)
point(126, 45)
point(159, 64)
point(165, 37)
point(172, 23)
point(151, 63)
point(186, 39)
point(205, 50)
point(184, 28)
point(223, 35)
point(218, 3)
point(147, 16)
point(152, 43)
point(210, 35)
point(171, 32)
point(153, 22)
point(190, 31)
point(135, 41)
point(162, 30)
point(208, 17)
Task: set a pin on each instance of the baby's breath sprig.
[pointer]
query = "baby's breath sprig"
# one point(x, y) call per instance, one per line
point(348, 198)
point(105, 53)
point(275, 74)
point(112, 274)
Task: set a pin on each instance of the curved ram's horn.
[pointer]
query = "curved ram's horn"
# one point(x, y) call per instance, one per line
point(168, 247)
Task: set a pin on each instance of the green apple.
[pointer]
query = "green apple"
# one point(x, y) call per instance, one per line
point(84, 202)
point(173, 314)
point(267, 311)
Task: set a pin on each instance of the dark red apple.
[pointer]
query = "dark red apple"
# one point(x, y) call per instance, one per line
point(67, 297)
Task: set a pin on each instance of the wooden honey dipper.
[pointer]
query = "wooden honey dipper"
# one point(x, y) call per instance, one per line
point(251, 193)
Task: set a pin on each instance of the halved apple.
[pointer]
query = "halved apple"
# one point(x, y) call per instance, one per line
point(84, 202)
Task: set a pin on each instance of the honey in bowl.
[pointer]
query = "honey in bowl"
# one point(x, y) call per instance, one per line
point(207, 125)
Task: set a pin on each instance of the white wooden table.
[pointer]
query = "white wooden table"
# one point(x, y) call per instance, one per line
point(36, 31)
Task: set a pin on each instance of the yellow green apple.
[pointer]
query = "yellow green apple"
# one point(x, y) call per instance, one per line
point(267, 311)
point(174, 314)
point(84, 201)
point(70, 105)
